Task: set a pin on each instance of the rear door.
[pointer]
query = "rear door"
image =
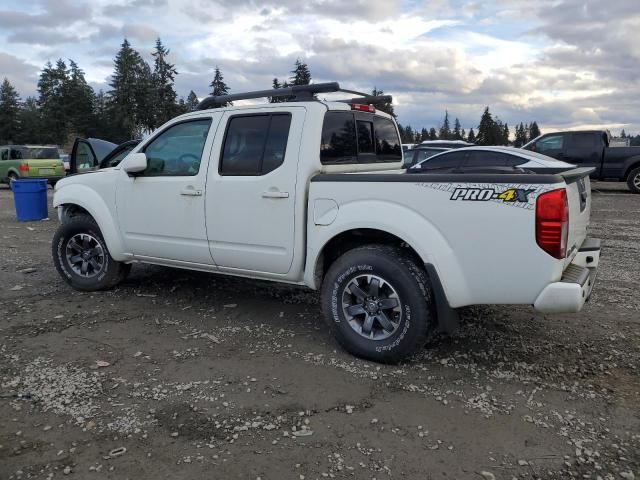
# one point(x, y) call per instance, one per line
point(251, 190)
point(584, 149)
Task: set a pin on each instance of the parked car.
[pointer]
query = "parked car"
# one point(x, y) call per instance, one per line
point(90, 154)
point(482, 157)
point(30, 161)
point(590, 148)
point(417, 155)
point(313, 193)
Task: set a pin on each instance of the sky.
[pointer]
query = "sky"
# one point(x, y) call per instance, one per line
point(567, 64)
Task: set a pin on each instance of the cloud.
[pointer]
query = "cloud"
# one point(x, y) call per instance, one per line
point(564, 63)
point(20, 73)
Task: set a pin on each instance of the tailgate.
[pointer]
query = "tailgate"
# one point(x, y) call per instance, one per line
point(45, 168)
point(579, 199)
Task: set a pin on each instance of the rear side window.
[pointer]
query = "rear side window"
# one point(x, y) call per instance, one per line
point(446, 160)
point(349, 138)
point(492, 159)
point(584, 140)
point(388, 146)
point(338, 143)
point(254, 144)
point(4, 154)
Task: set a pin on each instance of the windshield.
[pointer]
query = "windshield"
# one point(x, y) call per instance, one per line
point(34, 153)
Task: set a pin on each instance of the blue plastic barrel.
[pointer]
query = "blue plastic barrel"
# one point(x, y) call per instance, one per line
point(30, 198)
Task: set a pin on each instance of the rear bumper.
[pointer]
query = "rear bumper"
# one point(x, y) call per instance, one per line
point(574, 288)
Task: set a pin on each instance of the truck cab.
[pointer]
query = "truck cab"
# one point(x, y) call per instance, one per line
point(591, 148)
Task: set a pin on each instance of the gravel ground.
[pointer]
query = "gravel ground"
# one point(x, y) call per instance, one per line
point(180, 374)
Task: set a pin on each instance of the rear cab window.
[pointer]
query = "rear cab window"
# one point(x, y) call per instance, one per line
point(355, 137)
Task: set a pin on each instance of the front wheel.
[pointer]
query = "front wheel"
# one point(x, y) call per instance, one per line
point(378, 303)
point(81, 256)
point(633, 180)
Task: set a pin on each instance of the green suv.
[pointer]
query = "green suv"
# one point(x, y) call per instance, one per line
point(30, 161)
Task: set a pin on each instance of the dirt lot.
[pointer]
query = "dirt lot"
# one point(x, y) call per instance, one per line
point(211, 377)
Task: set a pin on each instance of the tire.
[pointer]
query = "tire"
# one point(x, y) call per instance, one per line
point(78, 245)
point(633, 180)
point(399, 280)
point(12, 176)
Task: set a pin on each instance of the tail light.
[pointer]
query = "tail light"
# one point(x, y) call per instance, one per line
point(552, 222)
point(363, 108)
point(23, 167)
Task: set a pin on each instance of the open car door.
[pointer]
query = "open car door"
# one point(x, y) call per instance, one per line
point(93, 153)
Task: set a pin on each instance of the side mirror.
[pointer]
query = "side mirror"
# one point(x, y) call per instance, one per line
point(135, 163)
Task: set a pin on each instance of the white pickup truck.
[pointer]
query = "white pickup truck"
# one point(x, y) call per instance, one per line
point(311, 192)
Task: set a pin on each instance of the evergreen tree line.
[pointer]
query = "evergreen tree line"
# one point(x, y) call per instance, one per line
point(142, 97)
point(490, 131)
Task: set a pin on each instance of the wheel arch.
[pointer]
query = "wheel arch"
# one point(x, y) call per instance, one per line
point(78, 199)
point(420, 238)
point(633, 162)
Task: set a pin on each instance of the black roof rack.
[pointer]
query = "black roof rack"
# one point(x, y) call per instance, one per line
point(298, 93)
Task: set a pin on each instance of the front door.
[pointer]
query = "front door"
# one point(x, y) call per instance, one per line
point(161, 210)
point(251, 194)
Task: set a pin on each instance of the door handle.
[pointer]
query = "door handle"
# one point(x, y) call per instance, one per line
point(191, 192)
point(274, 194)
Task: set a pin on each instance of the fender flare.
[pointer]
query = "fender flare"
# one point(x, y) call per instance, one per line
point(90, 201)
point(422, 236)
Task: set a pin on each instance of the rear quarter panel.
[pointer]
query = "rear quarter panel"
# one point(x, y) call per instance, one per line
point(484, 251)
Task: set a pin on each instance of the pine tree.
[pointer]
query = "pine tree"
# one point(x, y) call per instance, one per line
point(505, 134)
point(52, 86)
point(9, 113)
point(130, 97)
point(464, 135)
point(471, 138)
point(192, 101)
point(623, 134)
point(78, 100)
point(486, 129)
point(163, 79)
point(433, 135)
point(386, 107)
point(300, 75)
point(219, 87)
point(30, 122)
point(534, 131)
point(457, 130)
point(424, 134)
point(445, 129)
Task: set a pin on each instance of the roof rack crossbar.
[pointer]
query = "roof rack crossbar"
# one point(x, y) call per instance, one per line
point(368, 99)
point(298, 93)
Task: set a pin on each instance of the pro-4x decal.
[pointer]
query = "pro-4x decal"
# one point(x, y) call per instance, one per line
point(518, 195)
point(509, 195)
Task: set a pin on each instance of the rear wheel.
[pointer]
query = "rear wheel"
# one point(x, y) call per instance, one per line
point(633, 180)
point(81, 256)
point(13, 176)
point(378, 303)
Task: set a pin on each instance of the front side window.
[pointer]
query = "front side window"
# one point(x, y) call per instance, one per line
point(177, 151)
point(552, 142)
point(254, 144)
point(445, 161)
point(118, 157)
point(85, 159)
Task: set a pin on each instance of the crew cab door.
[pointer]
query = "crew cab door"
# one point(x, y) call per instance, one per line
point(251, 190)
point(161, 210)
point(584, 149)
